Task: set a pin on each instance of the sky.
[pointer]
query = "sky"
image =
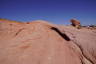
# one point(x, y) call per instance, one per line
point(54, 11)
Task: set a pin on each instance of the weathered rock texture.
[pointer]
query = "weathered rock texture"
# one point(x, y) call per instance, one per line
point(39, 42)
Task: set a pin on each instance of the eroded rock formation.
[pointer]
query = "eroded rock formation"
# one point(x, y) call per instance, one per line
point(75, 23)
point(40, 42)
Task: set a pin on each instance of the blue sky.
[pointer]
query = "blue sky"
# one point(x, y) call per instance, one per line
point(54, 11)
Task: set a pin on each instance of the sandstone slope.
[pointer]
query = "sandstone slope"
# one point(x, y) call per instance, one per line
point(40, 42)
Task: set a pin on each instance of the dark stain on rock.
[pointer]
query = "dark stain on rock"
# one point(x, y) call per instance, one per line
point(27, 22)
point(25, 47)
point(11, 24)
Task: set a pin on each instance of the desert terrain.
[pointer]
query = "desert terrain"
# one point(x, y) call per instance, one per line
point(41, 42)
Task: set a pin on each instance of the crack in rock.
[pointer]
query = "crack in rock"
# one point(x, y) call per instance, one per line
point(18, 31)
point(63, 35)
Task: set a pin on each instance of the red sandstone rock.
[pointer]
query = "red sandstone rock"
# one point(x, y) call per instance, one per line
point(75, 23)
point(40, 42)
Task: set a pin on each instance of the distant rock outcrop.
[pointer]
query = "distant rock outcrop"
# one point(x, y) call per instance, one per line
point(75, 23)
point(40, 42)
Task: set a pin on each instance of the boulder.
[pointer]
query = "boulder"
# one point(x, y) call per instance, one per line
point(75, 23)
